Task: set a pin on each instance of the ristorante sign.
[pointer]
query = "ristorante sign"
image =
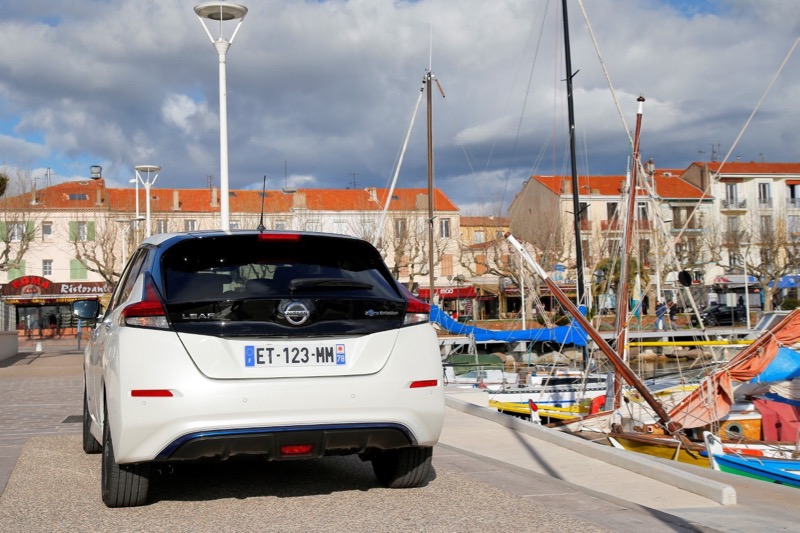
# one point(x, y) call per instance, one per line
point(38, 289)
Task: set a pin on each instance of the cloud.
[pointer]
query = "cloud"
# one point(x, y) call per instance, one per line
point(325, 90)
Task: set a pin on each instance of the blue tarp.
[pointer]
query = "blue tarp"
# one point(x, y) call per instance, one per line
point(572, 334)
point(784, 367)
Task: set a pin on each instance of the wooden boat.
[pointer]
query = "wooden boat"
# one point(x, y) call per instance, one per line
point(781, 471)
point(693, 452)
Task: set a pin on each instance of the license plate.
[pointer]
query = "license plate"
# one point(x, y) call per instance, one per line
point(271, 355)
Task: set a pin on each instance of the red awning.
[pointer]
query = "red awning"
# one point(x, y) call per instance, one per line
point(450, 293)
point(792, 182)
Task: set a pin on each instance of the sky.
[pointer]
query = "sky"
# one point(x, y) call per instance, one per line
point(321, 94)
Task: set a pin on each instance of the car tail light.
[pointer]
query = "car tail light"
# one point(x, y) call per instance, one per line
point(296, 449)
point(424, 383)
point(148, 313)
point(417, 311)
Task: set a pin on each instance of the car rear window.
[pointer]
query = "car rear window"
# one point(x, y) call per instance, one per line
point(242, 285)
point(293, 265)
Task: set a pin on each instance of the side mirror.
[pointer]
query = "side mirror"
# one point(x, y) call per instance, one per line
point(86, 309)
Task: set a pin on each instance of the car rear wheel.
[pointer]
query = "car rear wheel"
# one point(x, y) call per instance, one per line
point(90, 444)
point(122, 485)
point(403, 468)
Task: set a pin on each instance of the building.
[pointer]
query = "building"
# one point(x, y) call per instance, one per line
point(71, 240)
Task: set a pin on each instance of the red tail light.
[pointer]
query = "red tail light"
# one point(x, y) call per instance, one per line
point(296, 449)
point(424, 383)
point(148, 313)
point(417, 311)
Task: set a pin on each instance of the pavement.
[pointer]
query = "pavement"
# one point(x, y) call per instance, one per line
point(491, 471)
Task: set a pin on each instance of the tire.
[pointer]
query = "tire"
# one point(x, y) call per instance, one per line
point(403, 468)
point(122, 485)
point(90, 444)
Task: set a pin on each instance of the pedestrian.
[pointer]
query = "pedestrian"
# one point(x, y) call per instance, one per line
point(646, 304)
point(52, 321)
point(673, 315)
point(661, 310)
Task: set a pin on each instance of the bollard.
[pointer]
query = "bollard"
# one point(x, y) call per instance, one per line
point(38, 346)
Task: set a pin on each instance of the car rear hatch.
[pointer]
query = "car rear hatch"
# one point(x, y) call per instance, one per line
point(268, 305)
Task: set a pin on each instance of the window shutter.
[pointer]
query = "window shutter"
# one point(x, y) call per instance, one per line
point(77, 270)
point(73, 231)
point(4, 231)
point(90, 231)
point(30, 230)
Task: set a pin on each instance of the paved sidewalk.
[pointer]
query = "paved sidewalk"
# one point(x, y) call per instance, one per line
point(41, 395)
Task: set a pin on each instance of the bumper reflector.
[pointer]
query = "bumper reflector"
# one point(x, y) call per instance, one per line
point(424, 383)
point(151, 393)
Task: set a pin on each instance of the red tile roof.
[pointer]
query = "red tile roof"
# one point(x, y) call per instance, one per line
point(751, 167)
point(92, 194)
point(668, 185)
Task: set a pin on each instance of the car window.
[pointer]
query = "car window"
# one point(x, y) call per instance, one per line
point(244, 266)
point(127, 280)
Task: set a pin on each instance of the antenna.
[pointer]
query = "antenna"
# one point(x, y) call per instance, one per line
point(263, 195)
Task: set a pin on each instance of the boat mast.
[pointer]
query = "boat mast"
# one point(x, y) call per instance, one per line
point(576, 205)
point(428, 83)
point(624, 291)
point(619, 365)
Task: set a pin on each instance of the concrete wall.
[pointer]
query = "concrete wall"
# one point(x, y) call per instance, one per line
point(9, 344)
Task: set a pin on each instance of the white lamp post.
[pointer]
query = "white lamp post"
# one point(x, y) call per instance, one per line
point(222, 11)
point(147, 170)
point(125, 225)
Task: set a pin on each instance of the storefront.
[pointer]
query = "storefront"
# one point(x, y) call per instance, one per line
point(43, 306)
point(456, 301)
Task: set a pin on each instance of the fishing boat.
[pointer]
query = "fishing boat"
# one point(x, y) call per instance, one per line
point(781, 471)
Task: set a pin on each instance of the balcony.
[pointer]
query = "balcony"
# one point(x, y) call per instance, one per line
point(586, 225)
point(616, 225)
point(732, 204)
point(765, 203)
point(793, 203)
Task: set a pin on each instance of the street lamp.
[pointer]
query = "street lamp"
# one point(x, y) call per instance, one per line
point(147, 170)
point(125, 225)
point(222, 11)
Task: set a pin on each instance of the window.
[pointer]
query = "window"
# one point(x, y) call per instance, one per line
point(77, 270)
point(47, 230)
point(400, 227)
point(161, 226)
point(444, 228)
point(81, 231)
point(447, 265)
point(280, 225)
point(764, 195)
point(233, 224)
point(47, 267)
point(611, 210)
point(583, 211)
point(313, 226)
point(16, 231)
point(766, 227)
point(731, 195)
point(14, 273)
point(78, 196)
point(190, 225)
point(479, 237)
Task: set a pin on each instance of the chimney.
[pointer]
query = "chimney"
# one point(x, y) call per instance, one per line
point(421, 202)
point(373, 194)
point(99, 200)
point(214, 198)
point(299, 200)
point(176, 202)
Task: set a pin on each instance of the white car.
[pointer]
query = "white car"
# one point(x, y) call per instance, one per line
point(278, 344)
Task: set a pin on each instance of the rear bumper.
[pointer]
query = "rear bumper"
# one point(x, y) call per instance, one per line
point(268, 442)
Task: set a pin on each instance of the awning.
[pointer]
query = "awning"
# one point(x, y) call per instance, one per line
point(792, 182)
point(449, 293)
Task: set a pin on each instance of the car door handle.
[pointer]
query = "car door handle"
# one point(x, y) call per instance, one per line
point(107, 324)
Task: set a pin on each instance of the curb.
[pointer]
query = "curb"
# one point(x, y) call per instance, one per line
point(715, 491)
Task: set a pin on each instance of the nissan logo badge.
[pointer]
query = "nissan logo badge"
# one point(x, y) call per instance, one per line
point(296, 313)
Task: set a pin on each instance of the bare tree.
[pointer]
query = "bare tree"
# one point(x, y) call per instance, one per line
point(408, 247)
point(95, 243)
point(18, 222)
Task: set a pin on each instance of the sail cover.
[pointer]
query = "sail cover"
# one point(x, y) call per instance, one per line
point(714, 397)
point(571, 334)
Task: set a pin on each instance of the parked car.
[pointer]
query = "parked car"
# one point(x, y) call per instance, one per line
point(721, 315)
point(277, 344)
